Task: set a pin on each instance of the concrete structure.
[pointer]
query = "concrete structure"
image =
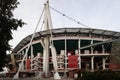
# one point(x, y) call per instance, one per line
point(70, 41)
point(71, 48)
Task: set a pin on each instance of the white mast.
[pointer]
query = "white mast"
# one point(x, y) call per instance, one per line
point(48, 44)
point(47, 26)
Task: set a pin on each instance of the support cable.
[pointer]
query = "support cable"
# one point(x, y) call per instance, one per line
point(17, 74)
point(69, 17)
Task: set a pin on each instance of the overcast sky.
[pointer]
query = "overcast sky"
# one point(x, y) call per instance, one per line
point(100, 14)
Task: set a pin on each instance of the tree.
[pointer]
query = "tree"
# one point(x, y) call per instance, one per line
point(7, 24)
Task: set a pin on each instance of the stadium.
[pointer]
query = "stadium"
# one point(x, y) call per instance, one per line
point(72, 49)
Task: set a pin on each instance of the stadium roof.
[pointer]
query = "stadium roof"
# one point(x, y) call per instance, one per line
point(40, 34)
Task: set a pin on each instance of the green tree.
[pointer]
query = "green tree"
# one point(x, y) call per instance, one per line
point(7, 24)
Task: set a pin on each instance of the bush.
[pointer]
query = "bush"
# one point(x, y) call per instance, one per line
point(99, 75)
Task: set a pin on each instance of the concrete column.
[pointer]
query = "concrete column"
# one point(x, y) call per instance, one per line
point(24, 64)
point(92, 63)
point(22, 52)
point(46, 56)
point(65, 56)
point(23, 67)
point(65, 53)
point(31, 55)
point(79, 42)
point(27, 53)
point(103, 49)
point(91, 47)
point(79, 62)
point(103, 63)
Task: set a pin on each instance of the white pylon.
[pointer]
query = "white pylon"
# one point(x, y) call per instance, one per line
point(47, 42)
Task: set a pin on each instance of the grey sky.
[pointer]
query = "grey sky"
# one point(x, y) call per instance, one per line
point(100, 14)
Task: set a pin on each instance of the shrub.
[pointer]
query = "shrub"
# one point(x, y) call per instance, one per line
point(99, 75)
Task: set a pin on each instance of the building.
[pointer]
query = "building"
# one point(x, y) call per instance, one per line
point(73, 46)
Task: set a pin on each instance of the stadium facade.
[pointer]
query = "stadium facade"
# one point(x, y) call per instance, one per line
point(74, 46)
point(72, 49)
